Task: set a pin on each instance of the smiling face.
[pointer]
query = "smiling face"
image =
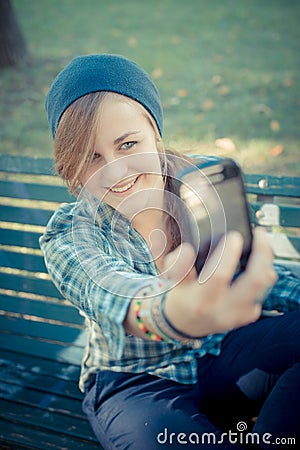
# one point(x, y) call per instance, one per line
point(125, 170)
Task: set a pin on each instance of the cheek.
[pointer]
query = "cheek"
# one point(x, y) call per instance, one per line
point(147, 163)
point(93, 184)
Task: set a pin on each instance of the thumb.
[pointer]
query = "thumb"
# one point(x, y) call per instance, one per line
point(179, 264)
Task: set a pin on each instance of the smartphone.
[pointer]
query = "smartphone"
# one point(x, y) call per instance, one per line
point(215, 202)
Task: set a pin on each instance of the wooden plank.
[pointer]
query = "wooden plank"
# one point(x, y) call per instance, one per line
point(22, 261)
point(38, 365)
point(53, 351)
point(21, 436)
point(28, 284)
point(59, 333)
point(34, 191)
point(58, 402)
point(31, 216)
point(20, 164)
point(21, 238)
point(16, 377)
point(44, 418)
point(289, 215)
point(45, 309)
point(272, 185)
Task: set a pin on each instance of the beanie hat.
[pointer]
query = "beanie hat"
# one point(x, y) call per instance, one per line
point(93, 73)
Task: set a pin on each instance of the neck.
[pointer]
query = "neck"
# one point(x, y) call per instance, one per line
point(152, 224)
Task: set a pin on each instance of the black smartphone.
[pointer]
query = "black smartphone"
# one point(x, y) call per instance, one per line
point(215, 202)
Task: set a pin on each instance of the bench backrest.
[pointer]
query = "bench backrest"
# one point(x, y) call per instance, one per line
point(33, 315)
point(275, 205)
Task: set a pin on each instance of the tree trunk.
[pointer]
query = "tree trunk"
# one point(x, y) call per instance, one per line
point(13, 49)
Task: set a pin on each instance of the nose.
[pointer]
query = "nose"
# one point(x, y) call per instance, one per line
point(115, 169)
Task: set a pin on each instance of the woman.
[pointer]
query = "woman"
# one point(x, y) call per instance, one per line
point(166, 355)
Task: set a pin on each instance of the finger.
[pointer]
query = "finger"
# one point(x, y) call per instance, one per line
point(259, 275)
point(224, 260)
point(261, 259)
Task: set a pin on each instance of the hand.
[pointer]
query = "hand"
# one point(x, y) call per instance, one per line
point(219, 305)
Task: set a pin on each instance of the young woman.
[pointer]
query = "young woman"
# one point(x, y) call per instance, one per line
point(170, 362)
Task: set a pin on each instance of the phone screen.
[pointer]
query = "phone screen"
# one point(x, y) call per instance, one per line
point(216, 203)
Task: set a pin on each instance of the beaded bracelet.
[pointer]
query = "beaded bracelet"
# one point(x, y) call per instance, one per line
point(141, 325)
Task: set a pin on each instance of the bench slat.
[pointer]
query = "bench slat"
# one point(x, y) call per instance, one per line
point(289, 215)
point(21, 238)
point(28, 284)
point(59, 333)
point(34, 191)
point(31, 216)
point(17, 376)
point(42, 399)
point(37, 365)
point(53, 351)
point(20, 164)
point(23, 437)
point(39, 440)
point(53, 422)
point(22, 261)
point(45, 309)
point(262, 184)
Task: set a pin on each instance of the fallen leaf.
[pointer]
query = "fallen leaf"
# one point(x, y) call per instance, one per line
point(132, 42)
point(288, 82)
point(207, 105)
point(277, 150)
point(217, 79)
point(275, 126)
point(225, 144)
point(182, 93)
point(224, 90)
point(157, 73)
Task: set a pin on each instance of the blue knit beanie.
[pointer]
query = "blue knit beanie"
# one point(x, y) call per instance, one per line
point(93, 73)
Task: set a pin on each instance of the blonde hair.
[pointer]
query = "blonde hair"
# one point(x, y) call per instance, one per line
point(75, 138)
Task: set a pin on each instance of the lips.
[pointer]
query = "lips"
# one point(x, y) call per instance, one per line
point(119, 189)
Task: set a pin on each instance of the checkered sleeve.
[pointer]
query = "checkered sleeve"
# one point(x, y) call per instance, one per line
point(285, 294)
point(90, 274)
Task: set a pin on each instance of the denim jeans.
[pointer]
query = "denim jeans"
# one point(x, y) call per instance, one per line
point(256, 375)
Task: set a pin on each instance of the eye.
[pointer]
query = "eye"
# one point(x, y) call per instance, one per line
point(128, 145)
point(96, 157)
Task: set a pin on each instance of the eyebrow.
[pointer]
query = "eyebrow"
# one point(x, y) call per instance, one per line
point(124, 136)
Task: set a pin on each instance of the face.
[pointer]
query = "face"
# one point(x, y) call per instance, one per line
point(125, 171)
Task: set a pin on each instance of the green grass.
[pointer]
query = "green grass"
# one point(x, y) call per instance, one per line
point(225, 69)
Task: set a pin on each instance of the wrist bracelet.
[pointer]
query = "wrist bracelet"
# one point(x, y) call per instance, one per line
point(171, 327)
point(163, 325)
point(141, 325)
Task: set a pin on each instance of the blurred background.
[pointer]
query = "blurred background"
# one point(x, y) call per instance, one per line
point(227, 71)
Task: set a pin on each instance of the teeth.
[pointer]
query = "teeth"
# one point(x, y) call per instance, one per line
point(124, 188)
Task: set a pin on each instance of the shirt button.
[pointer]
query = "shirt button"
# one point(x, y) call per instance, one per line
point(197, 343)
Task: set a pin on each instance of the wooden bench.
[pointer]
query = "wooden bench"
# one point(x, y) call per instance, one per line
point(42, 336)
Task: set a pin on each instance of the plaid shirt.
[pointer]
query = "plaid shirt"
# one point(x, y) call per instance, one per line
point(99, 262)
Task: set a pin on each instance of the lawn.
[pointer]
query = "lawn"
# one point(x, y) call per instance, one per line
point(227, 70)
